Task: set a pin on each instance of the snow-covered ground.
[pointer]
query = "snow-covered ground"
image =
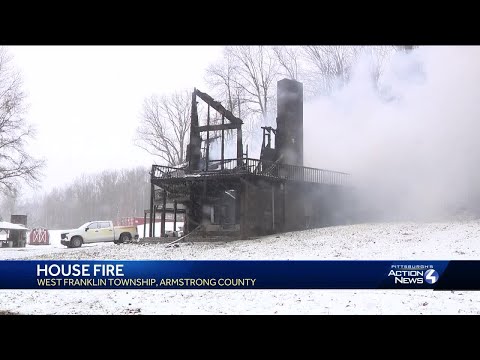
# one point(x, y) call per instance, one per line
point(391, 241)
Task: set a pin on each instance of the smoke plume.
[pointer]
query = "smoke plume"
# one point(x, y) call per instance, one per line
point(411, 141)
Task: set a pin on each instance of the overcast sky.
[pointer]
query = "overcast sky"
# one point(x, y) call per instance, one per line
point(85, 101)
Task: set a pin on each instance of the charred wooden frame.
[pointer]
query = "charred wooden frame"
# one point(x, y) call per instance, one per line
point(251, 197)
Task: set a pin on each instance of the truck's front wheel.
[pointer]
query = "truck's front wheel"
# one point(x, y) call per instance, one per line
point(76, 242)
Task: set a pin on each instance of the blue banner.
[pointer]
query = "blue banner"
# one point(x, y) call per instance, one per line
point(195, 274)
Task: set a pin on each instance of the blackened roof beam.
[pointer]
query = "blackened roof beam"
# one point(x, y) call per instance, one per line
point(269, 128)
point(218, 107)
point(216, 127)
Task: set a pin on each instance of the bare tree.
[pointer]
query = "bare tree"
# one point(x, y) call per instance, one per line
point(331, 65)
point(290, 60)
point(16, 164)
point(245, 80)
point(223, 78)
point(257, 71)
point(379, 55)
point(164, 126)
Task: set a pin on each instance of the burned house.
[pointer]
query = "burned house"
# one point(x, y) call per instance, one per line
point(244, 196)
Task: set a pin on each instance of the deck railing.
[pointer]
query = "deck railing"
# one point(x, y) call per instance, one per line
point(258, 168)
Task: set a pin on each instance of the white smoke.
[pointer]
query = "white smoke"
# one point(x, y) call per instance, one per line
point(411, 145)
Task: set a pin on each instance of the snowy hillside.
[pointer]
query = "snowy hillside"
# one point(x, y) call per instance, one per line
point(409, 241)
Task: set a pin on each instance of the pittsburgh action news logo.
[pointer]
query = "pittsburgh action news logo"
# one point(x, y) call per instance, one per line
point(414, 274)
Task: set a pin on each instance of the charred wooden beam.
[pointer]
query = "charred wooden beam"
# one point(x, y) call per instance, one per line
point(217, 127)
point(207, 144)
point(269, 128)
point(154, 220)
point(152, 194)
point(193, 148)
point(223, 141)
point(164, 208)
point(239, 148)
point(174, 215)
point(219, 107)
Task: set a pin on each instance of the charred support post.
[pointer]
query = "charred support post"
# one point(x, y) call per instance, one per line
point(207, 150)
point(154, 220)
point(238, 203)
point(223, 142)
point(245, 226)
point(188, 226)
point(175, 215)
point(243, 208)
point(164, 209)
point(195, 140)
point(192, 211)
point(152, 195)
point(239, 146)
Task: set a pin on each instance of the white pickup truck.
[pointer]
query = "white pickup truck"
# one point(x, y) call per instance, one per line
point(98, 231)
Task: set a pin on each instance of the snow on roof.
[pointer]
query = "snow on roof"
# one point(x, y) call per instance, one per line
point(4, 225)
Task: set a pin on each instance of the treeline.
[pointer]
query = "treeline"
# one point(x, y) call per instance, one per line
point(109, 195)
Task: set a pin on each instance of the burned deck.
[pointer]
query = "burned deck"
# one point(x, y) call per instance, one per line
point(255, 198)
point(251, 167)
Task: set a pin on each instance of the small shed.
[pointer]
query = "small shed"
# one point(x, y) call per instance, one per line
point(39, 236)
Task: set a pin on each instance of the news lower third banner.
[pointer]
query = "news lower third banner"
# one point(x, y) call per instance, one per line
point(270, 274)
